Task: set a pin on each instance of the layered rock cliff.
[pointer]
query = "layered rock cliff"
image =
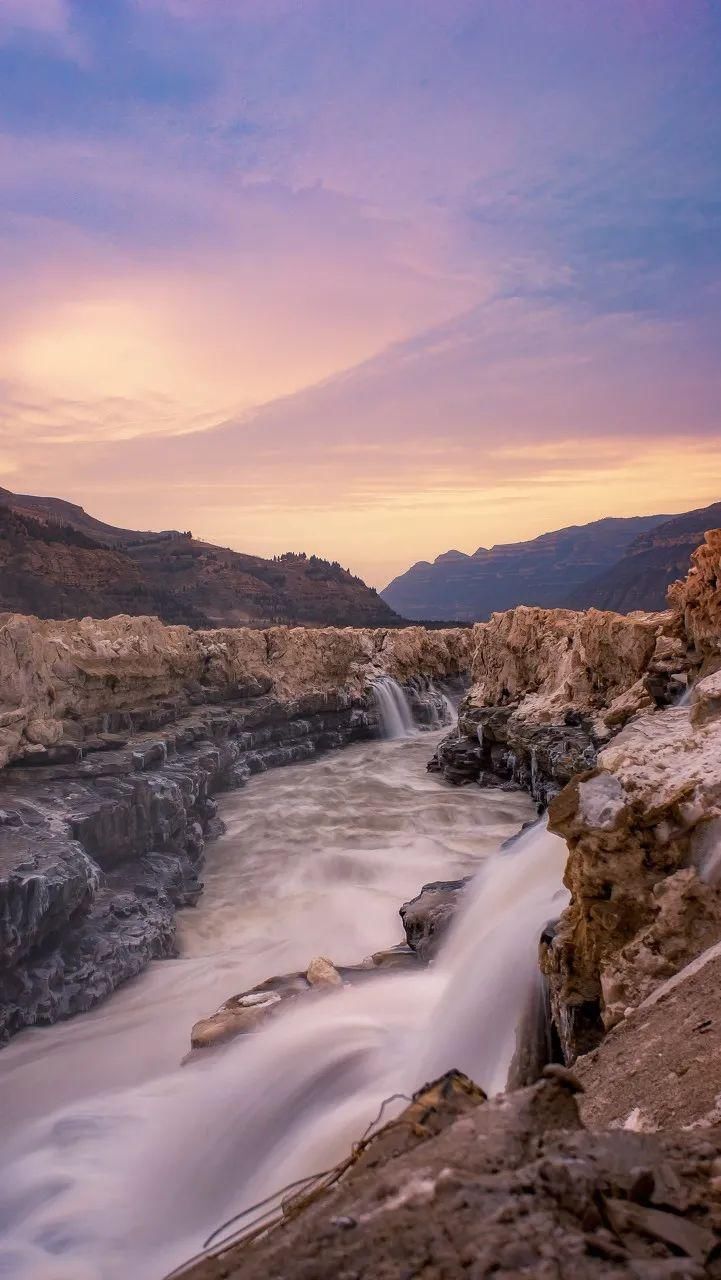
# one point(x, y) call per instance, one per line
point(54, 676)
point(116, 736)
point(551, 686)
point(644, 836)
point(644, 833)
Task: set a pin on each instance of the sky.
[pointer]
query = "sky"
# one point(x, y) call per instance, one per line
point(367, 278)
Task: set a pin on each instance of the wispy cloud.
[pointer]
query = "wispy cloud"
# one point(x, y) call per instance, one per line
point(319, 263)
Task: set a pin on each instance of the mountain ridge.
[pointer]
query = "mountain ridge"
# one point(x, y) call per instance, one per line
point(615, 563)
point(57, 561)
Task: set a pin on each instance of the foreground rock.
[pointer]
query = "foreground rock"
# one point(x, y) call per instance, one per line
point(458, 1187)
point(697, 598)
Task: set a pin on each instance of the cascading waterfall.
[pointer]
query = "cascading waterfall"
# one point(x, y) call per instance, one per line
point(193, 1148)
point(451, 713)
point(441, 710)
point(686, 697)
point(395, 712)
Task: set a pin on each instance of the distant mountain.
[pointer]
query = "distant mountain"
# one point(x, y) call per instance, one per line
point(545, 571)
point(654, 559)
point(57, 561)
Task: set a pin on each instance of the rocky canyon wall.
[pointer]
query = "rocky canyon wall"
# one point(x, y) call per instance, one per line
point(116, 737)
point(551, 686)
point(615, 724)
point(56, 675)
point(644, 835)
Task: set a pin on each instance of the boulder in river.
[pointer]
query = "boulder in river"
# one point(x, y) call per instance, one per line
point(427, 917)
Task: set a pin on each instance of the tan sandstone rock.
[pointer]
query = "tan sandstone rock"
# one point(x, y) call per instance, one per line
point(697, 597)
point(52, 672)
point(321, 972)
point(642, 830)
point(236, 1017)
point(546, 660)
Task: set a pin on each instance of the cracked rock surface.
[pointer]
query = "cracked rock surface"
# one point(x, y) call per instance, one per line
point(461, 1188)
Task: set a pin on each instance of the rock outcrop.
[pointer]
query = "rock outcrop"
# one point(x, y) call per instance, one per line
point(644, 837)
point(117, 735)
point(459, 1186)
point(427, 917)
point(550, 687)
point(697, 599)
point(660, 1067)
point(55, 676)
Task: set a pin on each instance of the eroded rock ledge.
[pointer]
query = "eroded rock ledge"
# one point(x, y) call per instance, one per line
point(54, 676)
point(644, 836)
point(550, 687)
point(118, 735)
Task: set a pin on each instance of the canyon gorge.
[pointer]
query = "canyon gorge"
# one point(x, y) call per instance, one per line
point(573, 963)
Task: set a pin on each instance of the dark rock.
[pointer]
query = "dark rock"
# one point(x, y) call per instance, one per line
point(46, 879)
point(563, 1076)
point(10, 818)
point(99, 852)
point(130, 922)
point(459, 759)
point(492, 746)
point(427, 917)
point(59, 753)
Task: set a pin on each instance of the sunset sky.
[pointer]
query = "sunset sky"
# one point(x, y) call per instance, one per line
point(370, 278)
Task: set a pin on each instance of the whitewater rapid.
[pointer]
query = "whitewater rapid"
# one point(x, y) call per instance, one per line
point(119, 1162)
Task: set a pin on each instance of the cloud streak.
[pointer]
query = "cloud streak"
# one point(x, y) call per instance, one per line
point(450, 269)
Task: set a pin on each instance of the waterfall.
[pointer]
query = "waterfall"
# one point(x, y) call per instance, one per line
point(131, 1183)
point(451, 712)
point(489, 965)
point(686, 697)
point(395, 711)
point(441, 711)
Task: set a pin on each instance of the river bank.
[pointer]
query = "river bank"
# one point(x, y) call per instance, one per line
point(316, 859)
